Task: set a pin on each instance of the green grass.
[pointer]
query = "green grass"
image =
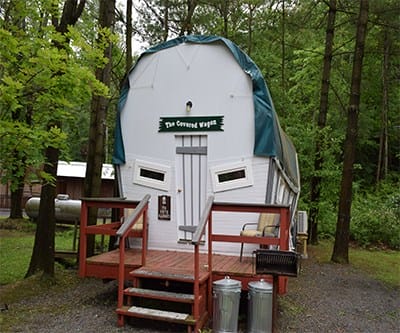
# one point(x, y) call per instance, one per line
point(15, 253)
point(382, 265)
point(16, 244)
point(64, 239)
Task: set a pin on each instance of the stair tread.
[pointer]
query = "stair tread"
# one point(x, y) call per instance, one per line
point(151, 293)
point(137, 311)
point(169, 274)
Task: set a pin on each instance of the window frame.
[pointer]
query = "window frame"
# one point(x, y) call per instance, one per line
point(219, 170)
point(138, 179)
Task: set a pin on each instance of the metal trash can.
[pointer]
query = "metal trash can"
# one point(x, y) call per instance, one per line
point(226, 300)
point(259, 317)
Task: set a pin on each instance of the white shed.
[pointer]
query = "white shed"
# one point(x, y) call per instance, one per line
point(196, 118)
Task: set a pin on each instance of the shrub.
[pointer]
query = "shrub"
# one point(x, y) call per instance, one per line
point(327, 218)
point(376, 217)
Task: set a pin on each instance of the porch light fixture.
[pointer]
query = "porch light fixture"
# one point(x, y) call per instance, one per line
point(189, 105)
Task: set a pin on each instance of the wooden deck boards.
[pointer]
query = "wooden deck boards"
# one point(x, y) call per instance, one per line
point(173, 260)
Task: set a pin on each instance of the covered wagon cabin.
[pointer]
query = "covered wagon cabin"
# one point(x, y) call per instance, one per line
point(208, 174)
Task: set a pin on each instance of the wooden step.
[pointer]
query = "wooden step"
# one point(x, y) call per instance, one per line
point(159, 294)
point(168, 273)
point(154, 314)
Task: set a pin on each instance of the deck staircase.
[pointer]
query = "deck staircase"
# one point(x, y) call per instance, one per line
point(171, 286)
point(166, 295)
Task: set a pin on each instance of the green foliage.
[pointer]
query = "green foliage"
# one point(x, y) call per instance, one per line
point(375, 220)
point(21, 146)
point(376, 217)
point(288, 48)
point(46, 80)
point(327, 220)
point(41, 83)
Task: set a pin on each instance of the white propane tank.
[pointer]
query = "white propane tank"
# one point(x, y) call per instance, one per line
point(66, 209)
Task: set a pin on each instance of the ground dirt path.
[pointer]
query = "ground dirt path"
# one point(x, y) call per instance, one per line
point(324, 298)
point(328, 297)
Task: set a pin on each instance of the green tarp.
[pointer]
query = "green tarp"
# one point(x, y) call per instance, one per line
point(270, 140)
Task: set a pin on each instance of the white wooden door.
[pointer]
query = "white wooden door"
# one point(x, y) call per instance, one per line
point(191, 180)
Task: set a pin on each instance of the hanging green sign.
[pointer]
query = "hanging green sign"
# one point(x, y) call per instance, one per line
point(191, 124)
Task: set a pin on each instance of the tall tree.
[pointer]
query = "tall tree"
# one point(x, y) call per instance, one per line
point(14, 22)
point(316, 178)
point(224, 13)
point(283, 48)
point(129, 34)
point(187, 25)
point(43, 250)
point(162, 19)
point(341, 247)
point(98, 114)
point(382, 167)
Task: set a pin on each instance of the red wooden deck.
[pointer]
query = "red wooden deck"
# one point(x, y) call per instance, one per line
point(198, 269)
point(105, 265)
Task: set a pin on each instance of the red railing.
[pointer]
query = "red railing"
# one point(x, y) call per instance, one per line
point(206, 223)
point(124, 230)
point(122, 233)
point(110, 229)
point(283, 210)
point(196, 240)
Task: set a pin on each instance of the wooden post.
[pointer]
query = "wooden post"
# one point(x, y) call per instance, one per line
point(144, 236)
point(210, 266)
point(196, 289)
point(82, 239)
point(275, 284)
point(121, 271)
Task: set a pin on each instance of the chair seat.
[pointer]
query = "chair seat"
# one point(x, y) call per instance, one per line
point(138, 226)
point(267, 226)
point(251, 233)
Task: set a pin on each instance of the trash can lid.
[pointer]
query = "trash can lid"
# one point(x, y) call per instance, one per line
point(261, 285)
point(227, 283)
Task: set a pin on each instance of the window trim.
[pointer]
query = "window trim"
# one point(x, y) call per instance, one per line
point(219, 170)
point(140, 165)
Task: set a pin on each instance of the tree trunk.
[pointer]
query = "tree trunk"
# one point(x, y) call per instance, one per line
point(16, 199)
point(129, 33)
point(323, 111)
point(382, 168)
point(283, 48)
point(250, 24)
point(187, 23)
point(98, 118)
point(43, 250)
point(225, 15)
point(166, 20)
point(341, 247)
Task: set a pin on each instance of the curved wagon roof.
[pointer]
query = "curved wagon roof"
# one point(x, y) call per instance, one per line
point(270, 140)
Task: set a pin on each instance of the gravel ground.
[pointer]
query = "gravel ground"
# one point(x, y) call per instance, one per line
point(324, 298)
point(338, 298)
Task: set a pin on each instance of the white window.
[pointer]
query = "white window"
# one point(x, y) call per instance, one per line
point(231, 176)
point(152, 175)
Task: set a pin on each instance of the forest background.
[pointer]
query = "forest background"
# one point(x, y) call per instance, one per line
point(50, 75)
